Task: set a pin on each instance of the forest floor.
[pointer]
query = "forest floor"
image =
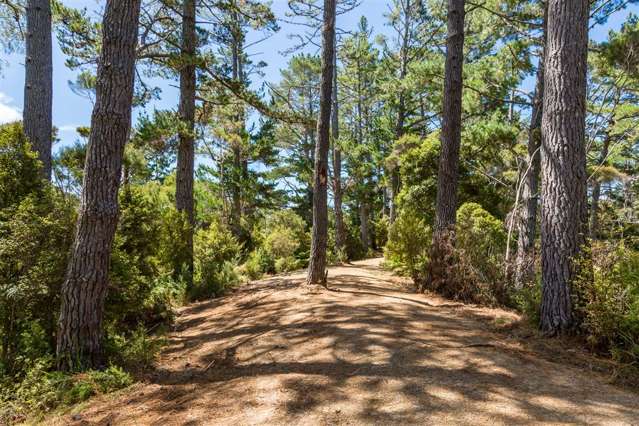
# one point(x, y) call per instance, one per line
point(366, 351)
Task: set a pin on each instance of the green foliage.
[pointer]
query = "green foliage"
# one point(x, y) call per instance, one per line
point(19, 166)
point(478, 253)
point(35, 236)
point(408, 240)
point(42, 390)
point(143, 289)
point(258, 263)
point(215, 252)
point(480, 246)
point(609, 304)
point(282, 244)
point(286, 264)
point(135, 350)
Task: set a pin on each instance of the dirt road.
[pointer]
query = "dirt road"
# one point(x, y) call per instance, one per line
point(367, 351)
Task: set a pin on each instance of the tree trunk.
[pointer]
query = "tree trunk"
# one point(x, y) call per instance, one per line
point(340, 232)
point(79, 342)
point(38, 87)
point(186, 148)
point(317, 265)
point(238, 158)
point(564, 207)
point(525, 262)
point(447, 177)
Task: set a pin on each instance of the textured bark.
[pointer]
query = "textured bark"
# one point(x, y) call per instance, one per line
point(527, 226)
point(79, 341)
point(447, 177)
point(38, 86)
point(564, 207)
point(596, 190)
point(186, 148)
point(340, 231)
point(317, 265)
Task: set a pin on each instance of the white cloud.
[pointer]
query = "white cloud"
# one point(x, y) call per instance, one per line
point(8, 113)
point(68, 127)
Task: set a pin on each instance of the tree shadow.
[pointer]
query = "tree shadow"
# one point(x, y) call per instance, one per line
point(366, 351)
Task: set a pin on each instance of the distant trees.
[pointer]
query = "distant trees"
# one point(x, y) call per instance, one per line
point(319, 238)
point(79, 339)
point(38, 84)
point(564, 207)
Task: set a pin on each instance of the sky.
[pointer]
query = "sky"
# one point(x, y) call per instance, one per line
point(71, 110)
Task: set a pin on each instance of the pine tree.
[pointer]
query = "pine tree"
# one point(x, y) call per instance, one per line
point(79, 340)
point(448, 174)
point(38, 85)
point(319, 239)
point(186, 148)
point(564, 207)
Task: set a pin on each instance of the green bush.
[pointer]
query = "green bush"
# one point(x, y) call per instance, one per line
point(215, 253)
point(19, 166)
point(480, 246)
point(286, 264)
point(258, 263)
point(408, 241)
point(35, 236)
point(608, 305)
point(282, 245)
point(144, 288)
point(42, 390)
point(135, 350)
point(477, 270)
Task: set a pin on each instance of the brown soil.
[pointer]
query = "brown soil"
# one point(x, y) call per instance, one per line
point(366, 351)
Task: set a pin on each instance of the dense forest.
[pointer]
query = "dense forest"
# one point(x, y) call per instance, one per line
point(487, 149)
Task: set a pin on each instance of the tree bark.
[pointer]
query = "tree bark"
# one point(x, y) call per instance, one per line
point(79, 341)
point(38, 87)
point(317, 265)
point(564, 207)
point(186, 148)
point(238, 160)
point(527, 232)
point(340, 232)
point(447, 177)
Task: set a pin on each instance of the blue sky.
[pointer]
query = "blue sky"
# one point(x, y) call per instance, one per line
point(71, 110)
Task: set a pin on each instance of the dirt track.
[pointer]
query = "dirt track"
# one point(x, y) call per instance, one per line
point(367, 351)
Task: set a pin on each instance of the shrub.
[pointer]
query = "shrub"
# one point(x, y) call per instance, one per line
point(42, 390)
point(144, 287)
point(35, 236)
point(135, 350)
point(258, 263)
point(286, 264)
point(282, 245)
point(609, 303)
point(408, 240)
point(475, 267)
point(480, 246)
point(215, 251)
point(19, 166)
